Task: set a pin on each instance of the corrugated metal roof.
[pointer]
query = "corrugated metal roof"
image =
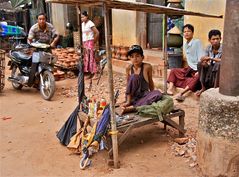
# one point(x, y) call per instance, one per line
point(136, 6)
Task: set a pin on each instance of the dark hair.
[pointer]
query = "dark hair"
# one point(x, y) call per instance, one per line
point(214, 32)
point(85, 13)
point(135, 49)
point(189, 26)
point(42, 13)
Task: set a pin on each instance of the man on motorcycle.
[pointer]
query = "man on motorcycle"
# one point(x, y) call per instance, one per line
point(43, 32)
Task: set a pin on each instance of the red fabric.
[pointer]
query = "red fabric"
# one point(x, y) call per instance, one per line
point(89, 57)
point(182, 77)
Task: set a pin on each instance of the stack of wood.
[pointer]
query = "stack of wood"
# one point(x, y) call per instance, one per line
point(67, 58)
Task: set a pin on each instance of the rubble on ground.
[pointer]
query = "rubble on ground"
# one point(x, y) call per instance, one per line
point(185, 147)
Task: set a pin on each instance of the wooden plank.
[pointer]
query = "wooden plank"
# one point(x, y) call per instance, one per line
point(139, 123)
point(145, 121)
point(136, 6)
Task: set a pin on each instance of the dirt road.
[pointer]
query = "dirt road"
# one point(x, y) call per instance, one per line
point(29, 147)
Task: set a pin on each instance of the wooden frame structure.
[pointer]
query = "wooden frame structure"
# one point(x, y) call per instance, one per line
point(134, 6)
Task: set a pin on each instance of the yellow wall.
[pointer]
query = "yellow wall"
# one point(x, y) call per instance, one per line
point(203, 25)
point(124, 27)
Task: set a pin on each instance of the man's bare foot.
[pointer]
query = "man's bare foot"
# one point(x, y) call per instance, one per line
point(199, 92)
point(170, 92)
point(180, 97)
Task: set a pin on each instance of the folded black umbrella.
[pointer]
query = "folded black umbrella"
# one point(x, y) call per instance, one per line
point(70, 127)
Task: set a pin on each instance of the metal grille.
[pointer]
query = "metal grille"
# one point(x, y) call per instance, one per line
point(2, 69)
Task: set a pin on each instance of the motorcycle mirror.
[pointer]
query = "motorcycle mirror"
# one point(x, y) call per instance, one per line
point(102, 52)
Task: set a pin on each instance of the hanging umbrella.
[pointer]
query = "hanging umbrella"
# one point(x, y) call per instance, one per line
point(101, 128)
point(70, 126)
point(102, 125)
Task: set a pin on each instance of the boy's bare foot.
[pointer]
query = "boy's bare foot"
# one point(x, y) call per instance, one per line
point(122, 110)
point(125, 104)
point(128, 109)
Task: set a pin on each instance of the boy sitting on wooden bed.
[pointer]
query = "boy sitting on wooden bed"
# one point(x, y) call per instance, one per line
point(140, 86)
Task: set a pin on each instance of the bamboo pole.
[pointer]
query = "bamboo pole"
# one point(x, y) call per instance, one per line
point(111, 87)
point(79, 25)
point(165, 53)
point(81, 59)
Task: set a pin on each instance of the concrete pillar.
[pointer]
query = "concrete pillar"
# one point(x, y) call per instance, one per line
point(229, 77)
point(218, 132)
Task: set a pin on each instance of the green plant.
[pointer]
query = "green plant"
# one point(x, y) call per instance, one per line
point(17, 3)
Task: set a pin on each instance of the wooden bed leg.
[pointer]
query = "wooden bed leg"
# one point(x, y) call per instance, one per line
point(181, 124)
point(121, 140)
point(164, 126)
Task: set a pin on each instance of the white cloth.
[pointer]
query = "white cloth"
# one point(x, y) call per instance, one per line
point(194, 52)
point(3, 23)
point(87, 32)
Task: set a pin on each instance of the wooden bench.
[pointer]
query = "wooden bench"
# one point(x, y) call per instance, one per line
point(139, 121)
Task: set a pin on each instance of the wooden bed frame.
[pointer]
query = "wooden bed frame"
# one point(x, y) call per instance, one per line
point(139, 121)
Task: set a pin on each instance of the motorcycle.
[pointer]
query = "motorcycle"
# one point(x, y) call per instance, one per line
point(32, 66)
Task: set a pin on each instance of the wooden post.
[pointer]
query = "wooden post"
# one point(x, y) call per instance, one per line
point(111, 87)
point(165, 52)
point(78, 8)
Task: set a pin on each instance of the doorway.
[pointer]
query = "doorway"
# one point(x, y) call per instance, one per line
point(155, 27)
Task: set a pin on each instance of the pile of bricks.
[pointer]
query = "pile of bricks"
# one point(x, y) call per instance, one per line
point(67, 58)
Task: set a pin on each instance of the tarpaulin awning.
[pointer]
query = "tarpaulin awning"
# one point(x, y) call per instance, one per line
point(136, 6)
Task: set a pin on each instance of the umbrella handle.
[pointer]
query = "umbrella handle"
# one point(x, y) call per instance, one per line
point(84, 162)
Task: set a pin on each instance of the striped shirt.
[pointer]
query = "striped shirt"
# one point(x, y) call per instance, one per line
point(209, 52)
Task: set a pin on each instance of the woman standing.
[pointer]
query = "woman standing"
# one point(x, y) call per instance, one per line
point(90, 38)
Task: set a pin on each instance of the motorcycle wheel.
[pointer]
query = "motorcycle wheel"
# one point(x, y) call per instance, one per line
point(47, 85)
point(15, 72)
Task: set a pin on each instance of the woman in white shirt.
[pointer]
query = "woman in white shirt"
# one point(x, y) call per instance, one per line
point(90, 37)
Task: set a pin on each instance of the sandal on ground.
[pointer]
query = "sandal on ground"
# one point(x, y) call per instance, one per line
point(170, 94)
point(88, 77)
point(95, 77)
point(180, 98)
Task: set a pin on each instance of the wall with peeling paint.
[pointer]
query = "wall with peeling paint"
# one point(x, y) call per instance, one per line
point(203, 25)
point(59, 16)
point(124, 27)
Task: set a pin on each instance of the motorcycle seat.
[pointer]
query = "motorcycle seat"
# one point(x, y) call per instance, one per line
point(20, 55)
